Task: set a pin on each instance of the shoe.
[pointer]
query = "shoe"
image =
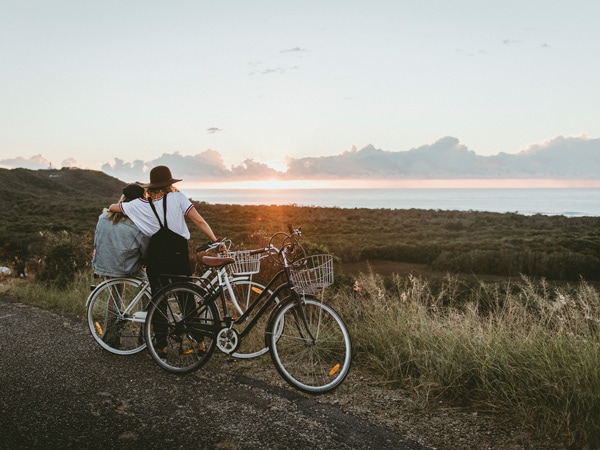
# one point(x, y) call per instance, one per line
point(112, 335)
point(200, 350)
point(162, 355)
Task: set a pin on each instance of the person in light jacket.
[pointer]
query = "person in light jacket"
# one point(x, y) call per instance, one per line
point(121, 247)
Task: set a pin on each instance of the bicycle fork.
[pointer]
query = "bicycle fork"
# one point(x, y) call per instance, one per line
point(301, 323)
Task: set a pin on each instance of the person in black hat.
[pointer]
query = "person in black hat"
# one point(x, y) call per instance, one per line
point(164, 207)
point(120, 246)
point(161, 217)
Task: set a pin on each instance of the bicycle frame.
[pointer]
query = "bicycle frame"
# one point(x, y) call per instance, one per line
point(265, 293)
point(272, 296)
point(216, 280)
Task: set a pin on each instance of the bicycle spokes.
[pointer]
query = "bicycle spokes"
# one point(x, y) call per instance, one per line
point(310, 346)
point(184, 327)
point(112, 311)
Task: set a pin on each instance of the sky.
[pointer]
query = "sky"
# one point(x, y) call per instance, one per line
point(86, 82)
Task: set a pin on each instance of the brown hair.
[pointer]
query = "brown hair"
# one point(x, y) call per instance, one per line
point(158, 192)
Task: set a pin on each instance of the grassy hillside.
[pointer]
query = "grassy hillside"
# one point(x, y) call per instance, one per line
point(45, 200)
point(427, 241)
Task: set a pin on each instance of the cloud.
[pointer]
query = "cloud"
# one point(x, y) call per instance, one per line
point(270, 71)
point(447, 158)
point(205, 166)
point(294, 50)
point(253, 170)
point(34, 163)
point(567, 158)
point(509, 41)
point(572, 157)
point(70, 163)
point(127, 171)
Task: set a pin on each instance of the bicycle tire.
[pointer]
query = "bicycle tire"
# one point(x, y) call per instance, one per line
point(312, 366)
point(246, 291)
point(181, 318)
point(115, 313)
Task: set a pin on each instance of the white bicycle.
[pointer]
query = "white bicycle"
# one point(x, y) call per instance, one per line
point(117, 307)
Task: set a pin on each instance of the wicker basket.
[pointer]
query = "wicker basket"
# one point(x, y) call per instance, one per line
point(245, 263)
point(312, 273)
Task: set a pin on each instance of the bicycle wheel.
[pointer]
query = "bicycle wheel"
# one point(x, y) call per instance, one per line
point(245, 293)
point(309, 345)
point(116, 315)
point(182, 327)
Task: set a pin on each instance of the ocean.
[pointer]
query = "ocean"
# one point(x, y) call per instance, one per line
point(571, 202)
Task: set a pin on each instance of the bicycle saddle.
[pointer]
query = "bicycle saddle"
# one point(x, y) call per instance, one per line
point(217, 261)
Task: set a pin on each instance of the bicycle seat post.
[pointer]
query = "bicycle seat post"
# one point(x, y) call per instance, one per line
point(221, 274)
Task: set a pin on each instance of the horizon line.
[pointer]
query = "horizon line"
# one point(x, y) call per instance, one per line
point(417, 183)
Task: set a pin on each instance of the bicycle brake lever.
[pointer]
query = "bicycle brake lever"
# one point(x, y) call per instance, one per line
point(296, 231)
point(203, 247)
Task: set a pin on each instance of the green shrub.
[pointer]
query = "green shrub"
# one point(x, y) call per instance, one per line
point(66, 257)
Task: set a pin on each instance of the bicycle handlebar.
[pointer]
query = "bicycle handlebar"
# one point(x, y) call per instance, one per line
point(293, 231)
point(208, 246)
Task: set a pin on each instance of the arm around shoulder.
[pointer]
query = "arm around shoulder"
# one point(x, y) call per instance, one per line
point(115, 207)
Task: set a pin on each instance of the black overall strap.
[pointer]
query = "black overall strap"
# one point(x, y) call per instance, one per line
point(164, 210)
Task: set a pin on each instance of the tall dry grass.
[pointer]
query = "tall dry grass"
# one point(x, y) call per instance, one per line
point(522, 347)
point(70, 299)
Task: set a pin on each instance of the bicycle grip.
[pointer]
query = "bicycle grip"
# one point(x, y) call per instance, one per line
point(204, 246)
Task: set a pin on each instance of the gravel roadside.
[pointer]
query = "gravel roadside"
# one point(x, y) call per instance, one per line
point(61, 390)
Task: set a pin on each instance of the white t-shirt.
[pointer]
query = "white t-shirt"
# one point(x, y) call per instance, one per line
point(141, 214)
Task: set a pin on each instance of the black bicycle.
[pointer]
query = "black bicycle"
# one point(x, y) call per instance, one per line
point(308, 341)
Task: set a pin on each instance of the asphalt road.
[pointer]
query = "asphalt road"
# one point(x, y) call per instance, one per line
point(59, 389)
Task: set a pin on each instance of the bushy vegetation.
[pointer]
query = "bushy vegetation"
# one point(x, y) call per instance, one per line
point(66, 257)
point(481, 243)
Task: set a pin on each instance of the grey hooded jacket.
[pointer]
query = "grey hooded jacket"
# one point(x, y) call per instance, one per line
point(120, 248)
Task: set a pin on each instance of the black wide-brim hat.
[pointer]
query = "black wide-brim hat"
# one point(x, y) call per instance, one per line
point(160, 176)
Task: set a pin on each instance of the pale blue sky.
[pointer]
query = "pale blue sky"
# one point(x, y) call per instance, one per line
point(98, 80)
